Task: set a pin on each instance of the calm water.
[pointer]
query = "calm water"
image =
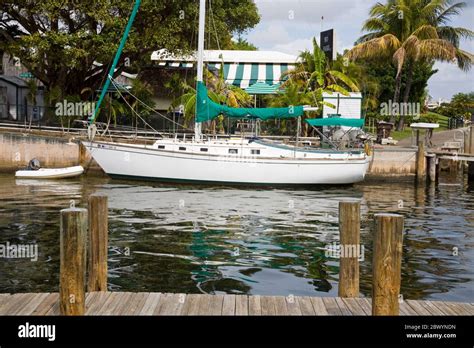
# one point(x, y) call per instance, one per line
point(242, 241)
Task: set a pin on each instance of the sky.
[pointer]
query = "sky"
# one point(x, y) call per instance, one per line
point(289, 25)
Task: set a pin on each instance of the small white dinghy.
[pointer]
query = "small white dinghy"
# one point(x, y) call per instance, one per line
point(50, 173)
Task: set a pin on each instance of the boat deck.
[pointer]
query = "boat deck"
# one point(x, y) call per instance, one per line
point(147, 303)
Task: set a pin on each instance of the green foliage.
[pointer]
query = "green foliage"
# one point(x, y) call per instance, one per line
point(218, 91)
point(242, 45)
point(59, 40)
point(413, 33)
point(461, 105)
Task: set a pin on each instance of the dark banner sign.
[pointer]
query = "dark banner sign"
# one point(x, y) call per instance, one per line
point(328, 43)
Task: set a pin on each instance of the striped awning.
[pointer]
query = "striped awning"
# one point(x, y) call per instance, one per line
point(263, 88)
point(244, 75)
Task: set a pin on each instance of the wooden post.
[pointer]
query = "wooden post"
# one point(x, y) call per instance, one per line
point(98, 243)
point(72, 272)
point(349, 231)
point(467, 140)
point(471, 140)
point(420, 162)
point(386, 275)
point(431, 160)
point(470, 165)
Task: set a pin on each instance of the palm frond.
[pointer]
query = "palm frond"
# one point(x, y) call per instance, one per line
point(345, 79)
point(381, 46)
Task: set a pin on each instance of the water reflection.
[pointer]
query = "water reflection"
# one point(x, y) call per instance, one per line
point(242, 241)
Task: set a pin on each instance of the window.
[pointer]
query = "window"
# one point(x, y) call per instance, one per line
point(161, 146)
point(204, 149)
point(255, 152)
point(182, 148)
point(233, 151)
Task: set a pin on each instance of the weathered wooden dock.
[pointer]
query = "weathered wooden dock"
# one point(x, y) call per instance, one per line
point(148, 303)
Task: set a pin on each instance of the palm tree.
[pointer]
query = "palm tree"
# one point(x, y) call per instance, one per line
point(143, 93)
point(218, 91)
point(412, 32)
point(315, 73)
point(293, 94)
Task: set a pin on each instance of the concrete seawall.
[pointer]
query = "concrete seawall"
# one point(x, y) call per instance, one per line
point(393, 162)
point(17, 149)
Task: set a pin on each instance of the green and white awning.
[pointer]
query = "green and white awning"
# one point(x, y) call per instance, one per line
point(261, 78)
point(244, 75)
point(263, 88)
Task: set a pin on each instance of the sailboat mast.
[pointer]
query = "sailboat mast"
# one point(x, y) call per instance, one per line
point(136, 7)
point(200, 59)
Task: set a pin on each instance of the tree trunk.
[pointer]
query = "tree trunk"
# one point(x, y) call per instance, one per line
point(406, 95)
point(396, 96)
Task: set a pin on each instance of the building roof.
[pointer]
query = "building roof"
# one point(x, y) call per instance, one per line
point(13, 80)
point(229, 56)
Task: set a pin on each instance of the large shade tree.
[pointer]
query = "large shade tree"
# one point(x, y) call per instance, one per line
point(59, 40)
point(413, 32)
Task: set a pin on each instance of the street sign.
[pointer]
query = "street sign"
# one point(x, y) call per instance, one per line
point(26, 75)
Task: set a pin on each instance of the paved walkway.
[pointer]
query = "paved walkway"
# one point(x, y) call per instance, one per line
point(438, 139)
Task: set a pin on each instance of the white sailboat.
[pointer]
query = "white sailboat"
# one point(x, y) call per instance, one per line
point(227, 161)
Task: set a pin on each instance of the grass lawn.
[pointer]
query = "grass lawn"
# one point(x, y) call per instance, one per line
point(406, 133)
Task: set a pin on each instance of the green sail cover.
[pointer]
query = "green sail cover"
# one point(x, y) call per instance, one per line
point(208, 109)
point(336, 121)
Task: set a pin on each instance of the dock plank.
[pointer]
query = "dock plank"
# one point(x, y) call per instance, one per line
point(228, 305)
point(29, 308)
point(45, 305)
point(417, 307)
point(280, 305)
point(353, 306)
point(204, 304)
point(293, 305)
point(268, 305)
point(215, 305)
point(97, 300)
point(406, 309)
point(241, 305)
point(137, 302)
point(150, 304)
point(305, 305)
point(255, 307)
point(121, 308)
point(191, 305)
point(331, 306)
point(458, 309)
point(345, 310)
point(170, 304)
point(319, 306)
point(127, 303)
point(366, 305)
point(432, 308)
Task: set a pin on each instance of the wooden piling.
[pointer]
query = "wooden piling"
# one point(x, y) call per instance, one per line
point(467, 145)
point(387, 257)
point(420, 162)
point(469, 148)
point(471, 140)
point(98, 243)
point(432, 171)
point(349, 231)
point(73, 238)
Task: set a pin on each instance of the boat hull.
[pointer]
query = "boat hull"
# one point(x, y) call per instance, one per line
point(50, 173)
point(132, 162)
